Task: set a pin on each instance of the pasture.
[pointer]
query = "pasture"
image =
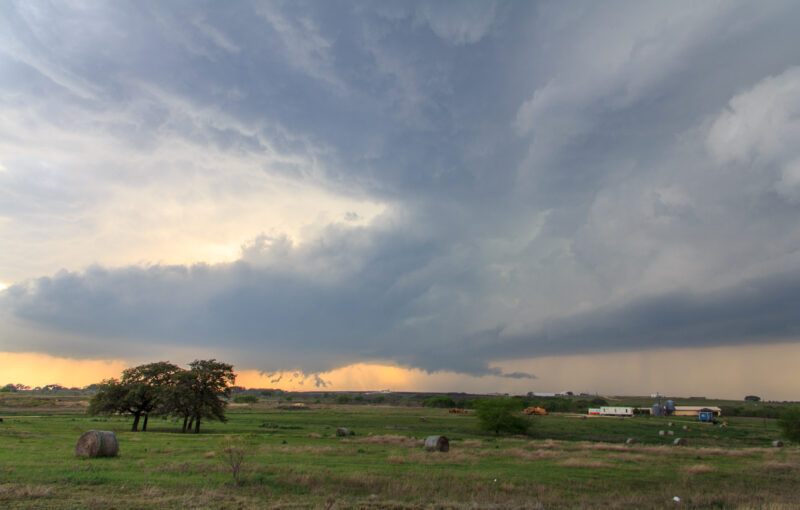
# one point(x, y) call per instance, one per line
point(293, 459)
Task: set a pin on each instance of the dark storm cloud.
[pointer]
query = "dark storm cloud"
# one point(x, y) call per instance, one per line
point(558, 178)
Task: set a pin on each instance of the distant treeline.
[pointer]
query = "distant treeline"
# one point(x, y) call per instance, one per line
point(551, 404)
point(762, 411)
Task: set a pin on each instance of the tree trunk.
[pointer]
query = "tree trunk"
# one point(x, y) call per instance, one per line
point(191, 422)
point(135, 427)
point(144, 425)
point(185, 421)
point(197, 425)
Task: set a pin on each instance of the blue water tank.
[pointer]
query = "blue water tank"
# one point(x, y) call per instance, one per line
point(658, 410)
point(669, 407)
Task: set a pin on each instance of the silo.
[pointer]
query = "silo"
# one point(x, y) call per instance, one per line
point(669, 407)
point(658, 410)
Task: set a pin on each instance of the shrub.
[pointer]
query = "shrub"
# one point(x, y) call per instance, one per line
point(343, 399)
point(232, 454)
point(245, 399)
point(501, 415)
point(789, 423)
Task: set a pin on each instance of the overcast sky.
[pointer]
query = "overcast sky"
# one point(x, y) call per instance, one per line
point(442, 186)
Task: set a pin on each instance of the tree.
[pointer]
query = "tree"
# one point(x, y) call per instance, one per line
point(140, 392)
point(111, 398)
point(147, 386)
point(179, 397)
point(209, 380)
point(789, 422)
point(501, 415)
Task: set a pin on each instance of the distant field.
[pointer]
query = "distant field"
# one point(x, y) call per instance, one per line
point(294, 460)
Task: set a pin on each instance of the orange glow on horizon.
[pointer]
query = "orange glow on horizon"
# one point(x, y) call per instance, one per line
point(36, 369)
point(719, 372)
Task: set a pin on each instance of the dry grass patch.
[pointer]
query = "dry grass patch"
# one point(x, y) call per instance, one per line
point(25, 491)
point(420, 457)
point(468, 444)
point(775, 466)
point(209, 455)
point(628, 457)
point(547, 444)
point(519, 453)
point(584, 463)
point(603, 447)
point(698, 469)
point(387, 439)
point(314, 436)
point(318, 450)
point(427, 458)
point(151, 492)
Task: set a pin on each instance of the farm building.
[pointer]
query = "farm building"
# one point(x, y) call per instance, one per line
point(696, 410)
point(616, 411)
point(594, 411)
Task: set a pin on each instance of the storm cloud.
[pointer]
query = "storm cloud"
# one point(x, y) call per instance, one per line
point(302, 186)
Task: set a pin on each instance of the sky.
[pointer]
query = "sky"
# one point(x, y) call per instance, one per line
point(423, 196)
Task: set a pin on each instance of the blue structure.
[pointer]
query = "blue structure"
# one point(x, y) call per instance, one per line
point(658, 410)
point(706, 415)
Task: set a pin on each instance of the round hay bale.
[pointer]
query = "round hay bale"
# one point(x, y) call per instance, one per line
point(437, 444)
point(669, 424)
point(97, 443)
point(777, 444)
point(685, 427)
point(679, 441)
point(671, 432)
point(343, 431)
point(630, 440)
point(662, 433)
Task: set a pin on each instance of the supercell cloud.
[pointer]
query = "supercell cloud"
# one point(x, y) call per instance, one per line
point(305, 185)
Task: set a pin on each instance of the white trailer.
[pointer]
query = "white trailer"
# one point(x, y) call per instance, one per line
point(616, 411)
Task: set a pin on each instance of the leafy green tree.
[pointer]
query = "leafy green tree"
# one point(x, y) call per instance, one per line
point(501, 415)
point(147, 386)
point(210, 382)
point(789, 422)
point(179, 397)
point(111, 398)
point(139, 392)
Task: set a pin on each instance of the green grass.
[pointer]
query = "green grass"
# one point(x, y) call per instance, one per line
point(294, 459)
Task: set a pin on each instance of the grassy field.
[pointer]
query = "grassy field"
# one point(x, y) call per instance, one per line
point(293, 459)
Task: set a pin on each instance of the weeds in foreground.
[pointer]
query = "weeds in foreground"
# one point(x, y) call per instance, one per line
point(232, 452)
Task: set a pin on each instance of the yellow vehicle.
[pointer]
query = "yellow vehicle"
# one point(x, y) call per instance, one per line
point(535, 411)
